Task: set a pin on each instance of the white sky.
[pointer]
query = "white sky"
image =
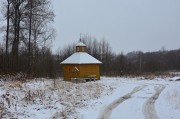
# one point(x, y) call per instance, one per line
point(128, 25)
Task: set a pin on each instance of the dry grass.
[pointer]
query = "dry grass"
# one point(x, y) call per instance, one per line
point(41, 93)
point(151, 76)
point(7, 101)
point(16, 84)
point(3, 110)
point(66, 113)
point(31, 96)
point(78, 95)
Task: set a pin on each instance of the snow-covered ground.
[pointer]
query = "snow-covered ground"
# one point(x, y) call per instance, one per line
point(113, 98)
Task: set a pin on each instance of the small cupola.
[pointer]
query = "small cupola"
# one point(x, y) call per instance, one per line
point(80, 47)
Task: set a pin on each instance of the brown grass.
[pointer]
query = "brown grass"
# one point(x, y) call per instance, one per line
point(16, 84)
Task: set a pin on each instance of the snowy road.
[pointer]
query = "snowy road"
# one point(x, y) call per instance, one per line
point(107, 112)
point(139, 103)
point(108, 98)
point(149, 106)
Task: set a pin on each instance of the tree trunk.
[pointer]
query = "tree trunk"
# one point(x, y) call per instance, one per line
point(15, 46)
point(7, 29)
point(29, 47)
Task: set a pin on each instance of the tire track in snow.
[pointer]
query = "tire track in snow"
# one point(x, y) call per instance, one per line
point(108, 110)
point(149, 106)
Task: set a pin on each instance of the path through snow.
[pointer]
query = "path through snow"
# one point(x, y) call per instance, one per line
point(107, 111)
point(149, 105)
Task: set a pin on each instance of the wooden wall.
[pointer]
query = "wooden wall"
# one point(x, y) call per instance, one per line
point(89, 69)
point(68, 72)
point(84, 71)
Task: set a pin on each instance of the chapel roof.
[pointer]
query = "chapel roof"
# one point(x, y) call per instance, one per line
point(81, 58)
point(80, 44)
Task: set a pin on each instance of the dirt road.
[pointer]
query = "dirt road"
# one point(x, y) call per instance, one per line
point(149, 106)
point(107, 111)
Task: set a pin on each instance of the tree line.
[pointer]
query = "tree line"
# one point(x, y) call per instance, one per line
point(27, 32)
point(135, 63)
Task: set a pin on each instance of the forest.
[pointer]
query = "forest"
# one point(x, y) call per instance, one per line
point(132, 63)
point(28, 33)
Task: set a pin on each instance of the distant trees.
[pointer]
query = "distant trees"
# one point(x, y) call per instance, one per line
point(154, 61)
point(131, 63)
point(100, 50)
point(27, 31)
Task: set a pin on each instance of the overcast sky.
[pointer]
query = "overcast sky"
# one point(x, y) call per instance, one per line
point(128, 25)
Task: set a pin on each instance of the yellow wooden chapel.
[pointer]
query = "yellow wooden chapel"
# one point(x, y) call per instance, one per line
point(81, 64)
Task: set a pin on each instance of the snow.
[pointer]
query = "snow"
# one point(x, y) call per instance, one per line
point(168, 104)
point(136, 102)
point(80, 44)
point(81, 58)
point(38, 98)
point(133, 108)
point(175, 78)
point(101, 103)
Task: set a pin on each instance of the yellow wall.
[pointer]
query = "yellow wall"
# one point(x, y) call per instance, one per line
point(84, 71)
point(68, 72)
point(89, 69)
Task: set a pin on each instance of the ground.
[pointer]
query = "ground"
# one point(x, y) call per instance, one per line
point(109, 98)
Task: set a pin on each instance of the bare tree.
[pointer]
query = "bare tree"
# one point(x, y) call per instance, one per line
point(30, 2)
point(28, 31)
point(7, 26)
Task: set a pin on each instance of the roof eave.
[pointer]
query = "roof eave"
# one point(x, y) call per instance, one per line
point(80, 63)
